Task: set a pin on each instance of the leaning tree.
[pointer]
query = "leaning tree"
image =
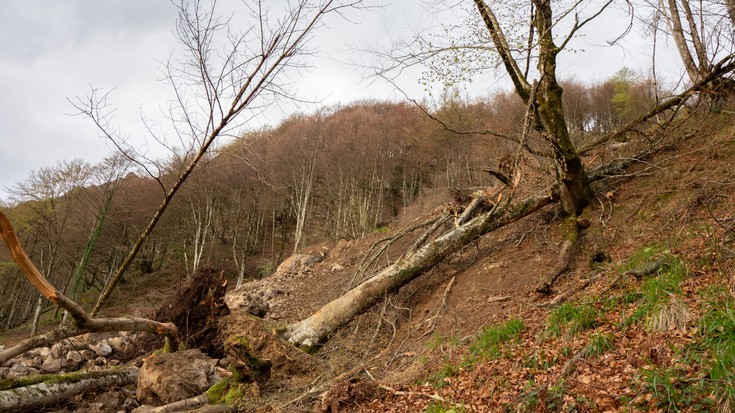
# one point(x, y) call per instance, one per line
point(527, 47)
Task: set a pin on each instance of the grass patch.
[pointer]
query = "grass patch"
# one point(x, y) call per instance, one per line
point(489, 342)
point(658, 305)
point(707, 383)
point(444, 407)
point(569, 319)
point(599, 344)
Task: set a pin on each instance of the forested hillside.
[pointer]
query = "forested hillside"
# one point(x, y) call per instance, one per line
point(557, 246)
point(338, 174)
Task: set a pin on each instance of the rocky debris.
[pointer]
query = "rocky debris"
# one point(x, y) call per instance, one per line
point(51, 365)
point(299, 262)
point(256, 305)
point(102, 349)
point(169, 377)
point(73, 360)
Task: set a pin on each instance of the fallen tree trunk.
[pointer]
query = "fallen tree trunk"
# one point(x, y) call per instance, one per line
point(83, 322)
point(313, 331)
point(53, 389)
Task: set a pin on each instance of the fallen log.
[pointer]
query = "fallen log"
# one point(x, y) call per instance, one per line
point(313, 331)
point(36, 392)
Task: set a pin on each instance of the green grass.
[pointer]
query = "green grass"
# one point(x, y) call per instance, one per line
point(599, 344)
point(487, 346)
point(708, 383)
point(489, 342)
point(444, 407)
point(570, 319)
point(658, 292)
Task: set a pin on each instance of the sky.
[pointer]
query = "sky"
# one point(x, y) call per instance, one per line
point(55, 51)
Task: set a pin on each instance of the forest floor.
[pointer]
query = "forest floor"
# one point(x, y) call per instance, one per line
point(643, 320)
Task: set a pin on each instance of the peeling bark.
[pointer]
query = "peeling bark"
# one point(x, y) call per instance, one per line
point(52, 389)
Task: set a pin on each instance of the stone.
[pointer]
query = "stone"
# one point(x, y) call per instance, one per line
point(337, 267)
point(111, 400)
point(297, 262)
point(169, 377)
point(119, 345)
point(57, 350)
point(51, 365)
point(249, 303)
point(4, 372)
point(102, 349)
point(73, 359)
point(44, 352)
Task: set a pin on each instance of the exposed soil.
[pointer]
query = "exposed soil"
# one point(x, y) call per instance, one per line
point(412, 334)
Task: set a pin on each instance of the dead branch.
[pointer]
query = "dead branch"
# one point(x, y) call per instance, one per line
point(52, 389)
point(369, 259)
point(413, 393)
point(433, 316)
point(189, 404)
point(563, 296)
point(314, 330)
point(83, 323)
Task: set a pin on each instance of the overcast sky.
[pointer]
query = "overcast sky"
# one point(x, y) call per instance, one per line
point(56, 50)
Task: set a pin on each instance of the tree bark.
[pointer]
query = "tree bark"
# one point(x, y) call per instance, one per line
point(314, 331)
point(53, 389)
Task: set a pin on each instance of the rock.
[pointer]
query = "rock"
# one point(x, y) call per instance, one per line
point(110, 401)
point(19, 370)
point(129, 404)
point(249, 303)
point(119, 345)
point(4, 372)
point(169, 377)
point(33, 362)
point(73, 359)
point(44, 352)
point(58, 350)
point(102, 349)
point(337, 267)
point(51, 364)
point(298, 262)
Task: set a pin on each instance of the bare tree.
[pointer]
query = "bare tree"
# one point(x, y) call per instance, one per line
point(226, 80)
point(703, 34)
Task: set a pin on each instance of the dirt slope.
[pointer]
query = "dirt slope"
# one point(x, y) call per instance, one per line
point(421, 350)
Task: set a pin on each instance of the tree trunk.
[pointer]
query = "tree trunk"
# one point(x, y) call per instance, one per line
point(36, 316)
point(52, 389)
point(313, 331)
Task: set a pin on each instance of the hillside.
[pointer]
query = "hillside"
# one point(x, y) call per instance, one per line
point(642, 321)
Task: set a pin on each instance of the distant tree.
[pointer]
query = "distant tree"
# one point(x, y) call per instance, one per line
point(704, 35)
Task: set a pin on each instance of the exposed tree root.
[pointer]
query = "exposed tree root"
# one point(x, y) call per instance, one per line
point(55, 389)
point(571, 235)
point(83, 322)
